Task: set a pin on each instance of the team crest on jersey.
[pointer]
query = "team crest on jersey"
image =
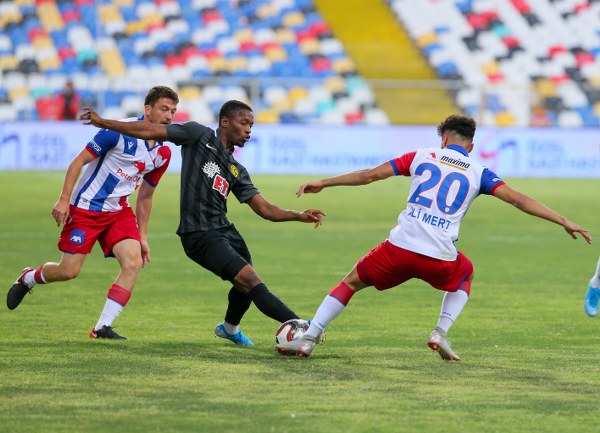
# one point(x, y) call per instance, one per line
point(234, 170)
point(210, 169)
point(159, 161)
point(77, 237)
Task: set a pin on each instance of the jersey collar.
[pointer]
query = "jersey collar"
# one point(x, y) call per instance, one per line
point(158, 143)
point(458, 148)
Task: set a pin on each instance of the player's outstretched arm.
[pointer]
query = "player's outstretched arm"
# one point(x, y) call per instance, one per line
point(139, 129)
point(354, 178)
point(274, 213)
point(535, 208)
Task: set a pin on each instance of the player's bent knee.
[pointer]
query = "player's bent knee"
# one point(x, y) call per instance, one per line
point(132, 265)
point(246, 279)
point(69, 274)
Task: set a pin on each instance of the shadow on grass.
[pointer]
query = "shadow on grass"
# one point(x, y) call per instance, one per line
point(35, 352)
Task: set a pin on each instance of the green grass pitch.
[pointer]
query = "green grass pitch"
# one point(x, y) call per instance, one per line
point(531, 357)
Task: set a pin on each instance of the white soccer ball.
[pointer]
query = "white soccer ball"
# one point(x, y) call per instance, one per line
point(293, 329)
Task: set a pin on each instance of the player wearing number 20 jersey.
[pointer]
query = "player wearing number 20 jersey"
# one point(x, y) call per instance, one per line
point(444, 183)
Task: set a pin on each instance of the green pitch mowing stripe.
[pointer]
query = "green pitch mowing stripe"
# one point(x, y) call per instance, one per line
point(531, 356)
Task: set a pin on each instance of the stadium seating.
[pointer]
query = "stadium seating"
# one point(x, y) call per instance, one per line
point(509, 62)
point(278, 55)
point(513, 56)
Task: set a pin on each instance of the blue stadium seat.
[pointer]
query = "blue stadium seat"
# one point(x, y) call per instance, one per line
point(145, 41)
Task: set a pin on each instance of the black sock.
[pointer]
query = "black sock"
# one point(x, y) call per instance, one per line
point(238, 305)
point(270, 305)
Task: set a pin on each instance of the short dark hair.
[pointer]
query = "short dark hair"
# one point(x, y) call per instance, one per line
point(459, 124)
point(231, 107)
point(157, 92)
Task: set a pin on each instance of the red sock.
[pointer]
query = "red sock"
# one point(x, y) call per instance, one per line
point(342, 292)
point(119, 294)
point(38, 277)
point(465, 287)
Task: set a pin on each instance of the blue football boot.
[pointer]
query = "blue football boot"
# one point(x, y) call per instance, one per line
point(238, 338)
point(591, 301)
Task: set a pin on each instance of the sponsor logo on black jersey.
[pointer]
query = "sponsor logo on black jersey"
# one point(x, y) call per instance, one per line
point(220, 184)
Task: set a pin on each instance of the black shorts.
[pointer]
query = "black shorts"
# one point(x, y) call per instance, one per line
point(221, 251)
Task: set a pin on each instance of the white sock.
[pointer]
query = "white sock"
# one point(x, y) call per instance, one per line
point(111, 311)
point(29, 278)
point(452, 305)
point(231, 329)
point(329, 309)
point(595, 281)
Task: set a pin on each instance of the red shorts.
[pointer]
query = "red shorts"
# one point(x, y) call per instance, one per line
point(387, 265)
point(84, 227)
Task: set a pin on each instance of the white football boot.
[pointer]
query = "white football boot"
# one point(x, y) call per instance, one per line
point(439, 343)
point(301, 347)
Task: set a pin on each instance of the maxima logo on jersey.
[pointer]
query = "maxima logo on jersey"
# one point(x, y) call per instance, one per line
point(456, 163)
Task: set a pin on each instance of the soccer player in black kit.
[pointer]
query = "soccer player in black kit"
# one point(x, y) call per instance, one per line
point(208, 173)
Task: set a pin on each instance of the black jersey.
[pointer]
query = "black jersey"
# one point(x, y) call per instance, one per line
point(208, 173)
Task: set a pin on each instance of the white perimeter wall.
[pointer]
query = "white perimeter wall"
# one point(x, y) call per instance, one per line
point(307, 149)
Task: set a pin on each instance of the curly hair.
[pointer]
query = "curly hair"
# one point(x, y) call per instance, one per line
point(459, 124)
point(157, 92)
